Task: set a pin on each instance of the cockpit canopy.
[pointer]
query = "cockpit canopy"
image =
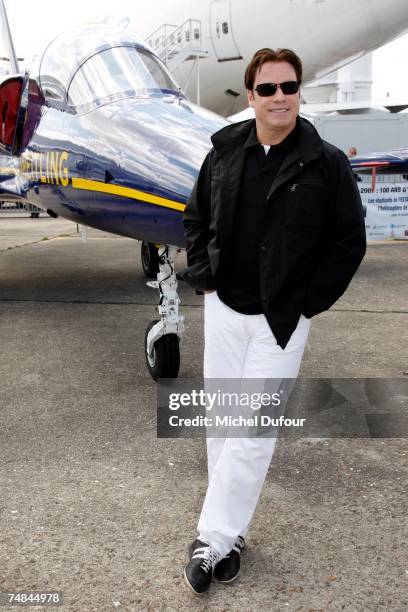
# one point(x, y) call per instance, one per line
point(93, 64)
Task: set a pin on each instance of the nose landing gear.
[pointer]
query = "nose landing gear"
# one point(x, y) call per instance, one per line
point(150, 259)
point(162, 338)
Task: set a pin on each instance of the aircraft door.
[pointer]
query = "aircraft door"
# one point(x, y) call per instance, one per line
point(221, 31)
point(11, 113)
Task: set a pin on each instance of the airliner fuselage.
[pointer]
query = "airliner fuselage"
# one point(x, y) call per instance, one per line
point(326, 34)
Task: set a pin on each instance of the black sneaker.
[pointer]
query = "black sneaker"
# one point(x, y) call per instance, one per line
point(196, 544)
point(199, 570)
point(228, 568)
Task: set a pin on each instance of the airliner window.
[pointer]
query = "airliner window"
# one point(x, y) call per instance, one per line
point(119, 70)
point(225, 28)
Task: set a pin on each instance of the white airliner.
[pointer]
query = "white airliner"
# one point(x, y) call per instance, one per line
point(326, 34)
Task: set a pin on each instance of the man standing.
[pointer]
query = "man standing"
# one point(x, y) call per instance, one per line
point(274, 233)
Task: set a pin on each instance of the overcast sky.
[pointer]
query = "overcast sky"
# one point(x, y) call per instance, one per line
point(33, 24)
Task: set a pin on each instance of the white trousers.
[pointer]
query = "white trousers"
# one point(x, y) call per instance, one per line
point(240, 346)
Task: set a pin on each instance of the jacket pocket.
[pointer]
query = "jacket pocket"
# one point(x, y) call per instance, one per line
point(199, 276)
point(305, 205)
point(215, 195)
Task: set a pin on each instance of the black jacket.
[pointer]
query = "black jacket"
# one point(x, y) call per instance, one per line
point(314, 235)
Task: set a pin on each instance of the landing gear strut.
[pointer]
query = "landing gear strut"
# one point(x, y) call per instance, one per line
point(163, 335)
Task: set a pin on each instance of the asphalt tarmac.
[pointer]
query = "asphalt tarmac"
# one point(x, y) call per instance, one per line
point(93, 504)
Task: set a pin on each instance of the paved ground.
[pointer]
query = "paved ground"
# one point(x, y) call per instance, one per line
point(94, 505)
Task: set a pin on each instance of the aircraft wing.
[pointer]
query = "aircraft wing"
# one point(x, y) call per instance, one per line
point(10, 192)
point(10, 181)
point(318, 108)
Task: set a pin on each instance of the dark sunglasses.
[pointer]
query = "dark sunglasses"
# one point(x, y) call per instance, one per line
point(269, 89)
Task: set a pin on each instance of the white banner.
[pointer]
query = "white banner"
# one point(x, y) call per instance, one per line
point(386, 210)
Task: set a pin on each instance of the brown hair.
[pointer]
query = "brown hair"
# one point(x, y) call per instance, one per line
point(270, 55)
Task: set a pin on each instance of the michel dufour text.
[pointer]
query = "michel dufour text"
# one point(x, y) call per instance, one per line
point(224, 401)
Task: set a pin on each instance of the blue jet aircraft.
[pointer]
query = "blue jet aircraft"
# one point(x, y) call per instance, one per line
point(387, 162)
point(100, 134)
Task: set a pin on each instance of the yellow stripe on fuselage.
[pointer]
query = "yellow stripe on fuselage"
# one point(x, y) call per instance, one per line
point(126, 192)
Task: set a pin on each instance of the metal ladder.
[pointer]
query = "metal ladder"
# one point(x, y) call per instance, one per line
point(177, 44)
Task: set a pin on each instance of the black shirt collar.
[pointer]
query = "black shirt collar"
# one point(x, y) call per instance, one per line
point(288, 143)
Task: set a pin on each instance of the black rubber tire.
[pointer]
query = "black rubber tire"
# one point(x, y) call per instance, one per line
point(166, 355)
point(150, 259)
